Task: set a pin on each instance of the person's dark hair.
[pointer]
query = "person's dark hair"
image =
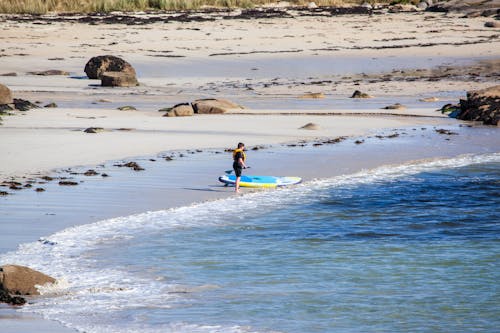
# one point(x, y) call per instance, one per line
point(241, 145)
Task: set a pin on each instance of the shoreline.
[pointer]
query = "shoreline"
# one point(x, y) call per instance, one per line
point(90, 202)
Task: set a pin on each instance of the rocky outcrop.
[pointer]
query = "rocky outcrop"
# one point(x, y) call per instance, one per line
point(24, 105)
point(470, 7)
point(96, 66)
point(211, 106)
point(5, 95)
point(481, 105)
point(180, 110)
point(20, 280)
point(118, 79)
point(396, 106)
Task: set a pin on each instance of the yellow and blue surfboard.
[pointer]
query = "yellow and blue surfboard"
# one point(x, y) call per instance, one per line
point(260, 181)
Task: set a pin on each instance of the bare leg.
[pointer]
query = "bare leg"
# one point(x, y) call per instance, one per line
point(237, 184)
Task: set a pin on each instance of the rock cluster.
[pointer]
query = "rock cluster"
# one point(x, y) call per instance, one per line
point(481, 105)
point(471, 8)
point(112, 71)
point(201, 106)
point(7, 103)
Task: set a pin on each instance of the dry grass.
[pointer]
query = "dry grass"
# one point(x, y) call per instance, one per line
point(87, 6)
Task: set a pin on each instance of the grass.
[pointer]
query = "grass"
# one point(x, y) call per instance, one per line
point(89, 6)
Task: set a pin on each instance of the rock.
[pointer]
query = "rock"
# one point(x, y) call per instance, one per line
point(481, 105)
point(49, 72)
point(24, 105)
point(12, 300)
point(67, 183)
point(366, 5)
point(398, 8)
point(94, 130)
point(310, 126)
point(96, 66)
point(429, 99)
point(9, 74)
point(471, 8)
point(313, 95)
point(5, 95)
point(90, 172)
point(118, 79)
point(312, 5)
point(127, 108)
point(22, 280)
point(180, 110)
point(422, 5)
point(492, 24)
point(51, 105)
point(4, 108)
point(359, 94)
point(396, 106)
point(211, 105)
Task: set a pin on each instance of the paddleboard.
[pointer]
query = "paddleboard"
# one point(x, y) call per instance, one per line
point(260, 181)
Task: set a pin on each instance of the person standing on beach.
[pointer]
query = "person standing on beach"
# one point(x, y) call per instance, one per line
point(239, 158)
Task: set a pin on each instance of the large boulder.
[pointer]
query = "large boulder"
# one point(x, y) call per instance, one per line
point(212, 105)
point(118, 79)
point(481, 105)
point(20, 280)
point(96, 66)
point(180, 110)
point(5, 95)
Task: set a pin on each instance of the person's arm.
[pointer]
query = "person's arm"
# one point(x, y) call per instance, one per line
point(240, 162)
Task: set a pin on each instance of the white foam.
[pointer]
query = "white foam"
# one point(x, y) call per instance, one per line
point(88, 295)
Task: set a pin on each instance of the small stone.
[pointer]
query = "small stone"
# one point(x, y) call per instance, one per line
point(396, 106)
point(492, 24)
point(90, 172)
point(312, 96)
point(310, 126)
point(359, 94)
point(67, 183)
point(127, 108)
point(51, 105)
point(39, 189)
point(94, 130)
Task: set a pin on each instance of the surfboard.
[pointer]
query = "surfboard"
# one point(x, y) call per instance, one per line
point(260, 181)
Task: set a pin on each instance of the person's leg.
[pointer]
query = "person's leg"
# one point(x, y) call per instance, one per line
point(237, 184)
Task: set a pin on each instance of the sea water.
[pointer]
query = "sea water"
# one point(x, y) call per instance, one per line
point(404, 248)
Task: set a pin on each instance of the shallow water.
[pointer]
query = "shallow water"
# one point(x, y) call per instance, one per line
point(411, 247)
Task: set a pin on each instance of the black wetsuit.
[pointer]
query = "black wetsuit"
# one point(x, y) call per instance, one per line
point(236, 165)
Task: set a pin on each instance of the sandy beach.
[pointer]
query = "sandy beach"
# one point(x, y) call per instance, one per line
point(264, 64)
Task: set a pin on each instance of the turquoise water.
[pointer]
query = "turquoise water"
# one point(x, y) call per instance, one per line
point(410, 248)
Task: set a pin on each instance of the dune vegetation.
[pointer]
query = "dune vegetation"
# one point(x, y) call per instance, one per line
point(90, 6)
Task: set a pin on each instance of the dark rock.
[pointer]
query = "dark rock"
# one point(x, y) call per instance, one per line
point(90, 173)
point(359, 94)
point(24, 105)
point(94, 130)
point(481, 105)
point(49, 72)
point(39, 189)
point(213, 106)
point(67, 183)
point(47, 178)
point(9, 74)
point(311, 127)
point(445, 132)
point(51, 105)
point(96, 66)
point(4, 108)
point(2, 193)
point(132, 165)
point(104, 175)
point(5, 95)
point(492, 24)
point(12, 300)
point(22, 280)
point(118, 79)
